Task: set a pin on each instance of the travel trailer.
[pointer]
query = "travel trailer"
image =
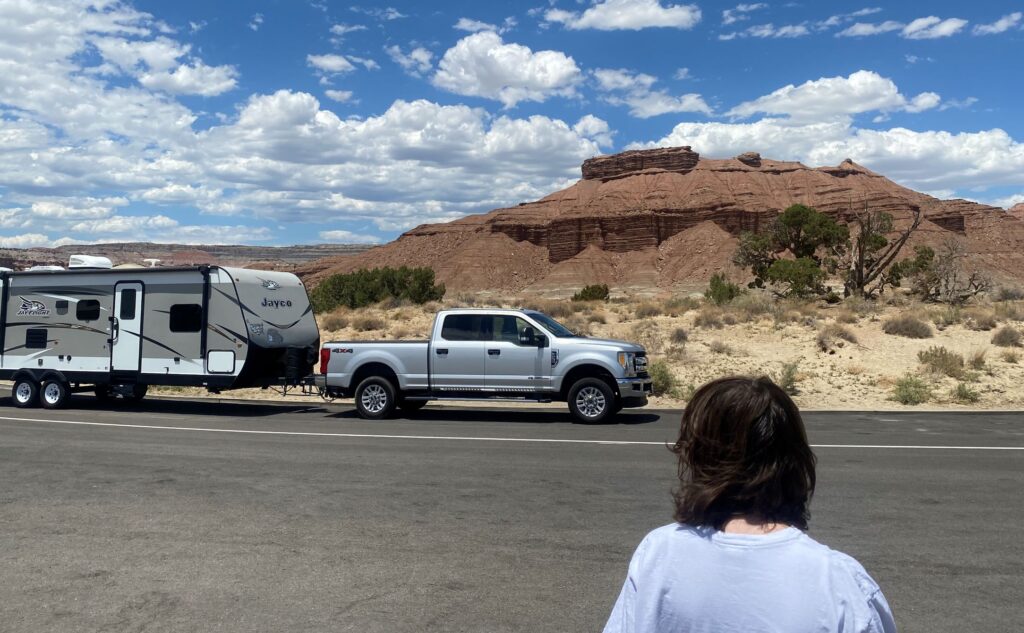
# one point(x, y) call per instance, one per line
point(116, 331)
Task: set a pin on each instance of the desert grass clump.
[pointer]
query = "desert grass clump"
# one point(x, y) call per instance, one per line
point(368, 323)
point(860, 306)
point(709, 319)
point(976, 360)
point(911, 390)
point(554, 309)
point(400, 333)
point(940, 360)
point(678, 306)
point(1008, 311)
point(646, 333)
point(718, 347)
point(648, 310)
point(334, 321)
point(981, 320)
point(1006, 293)
point(597, 317)
point(1010, 356)
point(908, 326)
point(835, 335)
point(752, 306)
point(1007, 336)
point(963, 394)
point(679, 336)
point(846, 316)
point(662, 377)
point(947, 317)
point(787, 377)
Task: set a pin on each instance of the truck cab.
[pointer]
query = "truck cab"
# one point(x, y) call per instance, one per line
point(489, 354)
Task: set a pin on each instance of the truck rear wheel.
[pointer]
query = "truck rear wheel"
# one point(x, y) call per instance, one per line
point(375, 398)
point(591, 400)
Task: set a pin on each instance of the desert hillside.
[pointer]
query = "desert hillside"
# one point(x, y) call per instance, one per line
point(655, 221)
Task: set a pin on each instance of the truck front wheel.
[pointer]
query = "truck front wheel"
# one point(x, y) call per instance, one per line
point(375, 398)
point(591, 401)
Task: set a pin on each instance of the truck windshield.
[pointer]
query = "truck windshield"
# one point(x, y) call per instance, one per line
point(552, 325)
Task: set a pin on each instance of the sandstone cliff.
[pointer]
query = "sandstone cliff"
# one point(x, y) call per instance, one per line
point(651, 220)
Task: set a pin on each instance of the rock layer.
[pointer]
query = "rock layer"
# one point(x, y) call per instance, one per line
point(652, 220)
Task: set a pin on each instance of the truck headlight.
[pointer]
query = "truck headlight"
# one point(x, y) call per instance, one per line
point(626, 362)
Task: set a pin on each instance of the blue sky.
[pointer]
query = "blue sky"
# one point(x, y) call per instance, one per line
point(296, 121)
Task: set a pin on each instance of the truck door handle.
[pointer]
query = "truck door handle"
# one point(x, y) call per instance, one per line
point(442, 352)
point(494, 352)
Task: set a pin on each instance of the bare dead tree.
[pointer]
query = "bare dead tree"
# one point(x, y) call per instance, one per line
point(942, 277)
point(872, 253)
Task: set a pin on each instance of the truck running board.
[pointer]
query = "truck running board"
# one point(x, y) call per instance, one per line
point(479, 398)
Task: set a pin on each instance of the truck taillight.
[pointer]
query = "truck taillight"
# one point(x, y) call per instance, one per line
point(325, 359)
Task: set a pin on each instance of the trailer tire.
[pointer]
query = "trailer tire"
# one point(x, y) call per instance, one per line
point(591, 401)
point(54, 394)
point(25, 393)
point(375, 398)
point(136, 393)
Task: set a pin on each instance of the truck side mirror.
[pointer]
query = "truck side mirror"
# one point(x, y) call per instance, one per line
point(528, 336)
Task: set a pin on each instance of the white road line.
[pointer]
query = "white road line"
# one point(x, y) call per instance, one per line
point(478, 439)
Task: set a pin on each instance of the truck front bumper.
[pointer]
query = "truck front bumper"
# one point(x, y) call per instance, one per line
point(633, 392)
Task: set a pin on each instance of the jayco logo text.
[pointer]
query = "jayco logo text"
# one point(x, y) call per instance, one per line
point(274, 303)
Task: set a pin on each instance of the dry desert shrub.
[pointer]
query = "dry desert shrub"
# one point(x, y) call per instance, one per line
point(552, 308)
point(939, 360)
point(963, 394)
point(787, 378)
point(597, 317)
point(752, 306)
point(976, 360)
point(578, 326)
point(855, 370)
point(647, 310)
point(399, 333)
point(861, 306)
point(911, 390)
point(678, 306)
point(718, 347)
point(946, 317)
point(1010, 356)
point(908, 326)
point(368, 323)
point(846, 316)
point(334, 321)
point(1007, 293)
point(1007, 336)
point(646, 333)
point(835, 335)
point(1008, 311)
point(980, 320)
point(679, 336)
point(663, 377)
point(709, 319)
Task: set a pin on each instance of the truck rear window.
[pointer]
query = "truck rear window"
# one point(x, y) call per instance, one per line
point(466, 327)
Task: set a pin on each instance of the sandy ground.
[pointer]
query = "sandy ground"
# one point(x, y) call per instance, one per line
point(755, 338)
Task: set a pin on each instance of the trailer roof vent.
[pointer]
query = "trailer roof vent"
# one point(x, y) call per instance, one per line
point(89, 261)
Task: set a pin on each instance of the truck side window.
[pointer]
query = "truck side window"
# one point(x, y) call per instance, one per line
point(88, 310)
point(507, 328)
point(186, 317)
point(466, 327)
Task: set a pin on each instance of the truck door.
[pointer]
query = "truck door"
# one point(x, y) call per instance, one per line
point(126, 328)
point(457, 356)
point(512, 364)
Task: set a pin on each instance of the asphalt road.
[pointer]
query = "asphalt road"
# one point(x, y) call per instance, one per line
point(307, 519)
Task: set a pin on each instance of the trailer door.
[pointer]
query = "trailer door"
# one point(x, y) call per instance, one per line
point(126, 328)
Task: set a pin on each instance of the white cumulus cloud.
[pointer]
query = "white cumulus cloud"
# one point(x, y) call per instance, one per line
point(194, 79)
point(613, 15)
point(636, 90)
point(740, 11)
point(1001, 25)
point(417, 62)
point(482, 65)
point(330, 63)
point(931, 28)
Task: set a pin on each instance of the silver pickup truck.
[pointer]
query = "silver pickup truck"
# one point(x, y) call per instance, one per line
point(488, 355)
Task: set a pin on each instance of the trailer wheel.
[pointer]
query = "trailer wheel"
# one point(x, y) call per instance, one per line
point(136, 393)
point(375, 398)
point(591, 400)
point(25, 393)
point(55, 394)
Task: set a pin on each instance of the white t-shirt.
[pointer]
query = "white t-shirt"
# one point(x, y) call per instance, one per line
point(699, 580)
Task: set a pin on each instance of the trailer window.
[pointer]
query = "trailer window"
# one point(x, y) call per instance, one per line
point(127, 311)
point(186, 317)
point(88, 310)
point(61, 306)
point(466, 327)
point(35, 338)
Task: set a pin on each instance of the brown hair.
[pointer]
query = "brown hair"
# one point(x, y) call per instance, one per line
point(743, 451)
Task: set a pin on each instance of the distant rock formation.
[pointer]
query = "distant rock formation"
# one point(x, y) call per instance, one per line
point(1017, 211)
point(661, 219)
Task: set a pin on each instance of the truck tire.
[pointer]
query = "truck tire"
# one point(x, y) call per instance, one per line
point(25, 393)
point(591, 401)
point(136, 393)
point(375, 398)
point(54, 394)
